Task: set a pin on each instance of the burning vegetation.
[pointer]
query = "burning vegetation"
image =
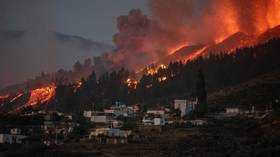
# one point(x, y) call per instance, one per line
point(219, 26)
point(41, 95)
point(175, 30)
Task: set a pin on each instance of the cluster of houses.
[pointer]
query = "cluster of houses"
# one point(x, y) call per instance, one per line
point(14, 136)
point(53, 128)
point(241, 112)
point(57, 127)
point(107, 126)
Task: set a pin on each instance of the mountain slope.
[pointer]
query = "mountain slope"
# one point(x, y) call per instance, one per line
point(49, 51)
point(261, 92)
point(269, 34)
point(236, 40)
point(83, 42)
point(181, 54)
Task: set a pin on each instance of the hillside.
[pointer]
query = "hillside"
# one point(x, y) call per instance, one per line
point(261, 92)
point(269, 34)
point(28, 53)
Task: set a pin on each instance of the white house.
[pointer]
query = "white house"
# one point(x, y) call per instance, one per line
point(159, 121)
point(15, 131)
point(99, 119)
point(232, 110)
point(181, 105)
point(120, 110)
point(88, 114)
point(152, 119)
point(11, 138)
point(185, 106)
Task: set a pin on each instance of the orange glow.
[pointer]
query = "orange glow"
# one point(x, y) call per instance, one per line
point(41, 95)
point(220, 39)
point(4, 96)
point(131, 83)
point(162, 66)
point(153, 69)
point(16, 97)
point(160, 79)
point(176, 48)
point(196, 54)
point(273, 14)
point(77, 85)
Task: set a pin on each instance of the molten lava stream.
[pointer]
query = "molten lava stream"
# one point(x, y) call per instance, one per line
point(41, 95)
point(196, 54)
point(4, 97)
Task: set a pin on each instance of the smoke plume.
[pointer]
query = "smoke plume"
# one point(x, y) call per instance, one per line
point(172, 24)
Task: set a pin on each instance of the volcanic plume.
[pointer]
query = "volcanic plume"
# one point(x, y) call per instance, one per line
point(174, 24)
point(181, 30)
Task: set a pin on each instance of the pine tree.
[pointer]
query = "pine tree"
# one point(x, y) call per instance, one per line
point(201, 93)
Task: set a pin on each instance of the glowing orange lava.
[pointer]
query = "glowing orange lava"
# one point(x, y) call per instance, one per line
point(41, 95)
point(4, 97)
point(16, 97)
point(196, 54)
point(176, 48)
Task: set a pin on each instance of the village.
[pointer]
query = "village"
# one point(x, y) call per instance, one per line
point(118, 124)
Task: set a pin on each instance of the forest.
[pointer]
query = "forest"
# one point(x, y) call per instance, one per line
point(176, 81)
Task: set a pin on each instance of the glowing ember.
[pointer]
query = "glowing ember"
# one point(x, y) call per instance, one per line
point(16, 97)
point(131, 83)
point(77, 85)
point(162, 66)
point(160, 79)
point(3, 97)
point(196, 54)
point(153, 69)
point(41, 95)
point(176, 48)
point(220, 39)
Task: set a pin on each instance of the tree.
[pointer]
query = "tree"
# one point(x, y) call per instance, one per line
point(276, 106)
point(77, 66)
point(201, 93)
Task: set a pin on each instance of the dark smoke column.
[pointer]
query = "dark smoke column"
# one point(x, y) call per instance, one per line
point(131, 41)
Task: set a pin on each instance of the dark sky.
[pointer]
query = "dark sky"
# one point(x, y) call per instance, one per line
point(93, 19)
point(38, 51)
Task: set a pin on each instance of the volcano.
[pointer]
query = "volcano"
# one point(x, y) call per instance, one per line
point(234, 41)
point(182, 53)
point(269, 34)
point(34, 98)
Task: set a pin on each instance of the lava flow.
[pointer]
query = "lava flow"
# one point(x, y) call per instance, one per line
point(2, 97)
point(41, 95)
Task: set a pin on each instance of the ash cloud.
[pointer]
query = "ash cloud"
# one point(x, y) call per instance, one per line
point(142, 40)
point(204, 21)
point(133, 47)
